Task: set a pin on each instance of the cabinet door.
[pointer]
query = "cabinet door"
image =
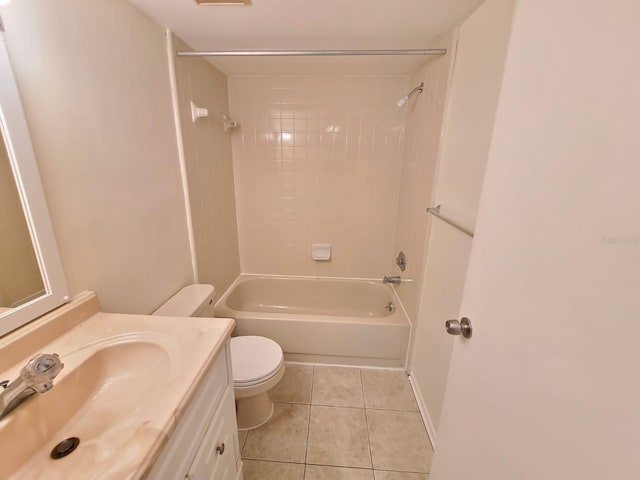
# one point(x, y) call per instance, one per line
point(190, 431)
point(216, 458)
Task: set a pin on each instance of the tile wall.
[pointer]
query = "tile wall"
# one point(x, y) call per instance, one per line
point(209, 165)
point(317, 159)
point(425, 114)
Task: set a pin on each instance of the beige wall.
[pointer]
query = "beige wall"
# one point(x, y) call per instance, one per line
point(93, 77)
point(472, 107)
point(422, 142)
point(317, 160)
point(20, 275)
point(209, 166)
point(468, 128)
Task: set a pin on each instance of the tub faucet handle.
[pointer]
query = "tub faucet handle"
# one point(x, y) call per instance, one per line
point(394, 280)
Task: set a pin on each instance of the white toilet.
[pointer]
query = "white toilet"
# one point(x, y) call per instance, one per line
point(257, 362)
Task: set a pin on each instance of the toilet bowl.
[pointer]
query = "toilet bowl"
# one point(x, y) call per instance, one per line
point(257, 363)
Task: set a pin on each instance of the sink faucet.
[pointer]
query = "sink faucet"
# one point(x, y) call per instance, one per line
point(35, 377)
point(394, 280)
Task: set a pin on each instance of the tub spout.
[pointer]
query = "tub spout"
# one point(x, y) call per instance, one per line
point(394, 280)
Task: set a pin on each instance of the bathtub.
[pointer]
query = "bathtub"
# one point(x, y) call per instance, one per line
point(321, 320)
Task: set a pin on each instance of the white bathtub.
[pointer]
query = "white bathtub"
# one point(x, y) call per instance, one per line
point(321, 320)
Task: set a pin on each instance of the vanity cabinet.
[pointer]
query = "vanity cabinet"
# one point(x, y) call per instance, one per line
point(204, 444)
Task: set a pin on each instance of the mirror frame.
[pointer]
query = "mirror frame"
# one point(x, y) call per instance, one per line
point(14, 128)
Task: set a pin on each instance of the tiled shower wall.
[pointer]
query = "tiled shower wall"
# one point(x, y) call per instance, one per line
point(425, 116)
point(209, 166)
point(317, 159)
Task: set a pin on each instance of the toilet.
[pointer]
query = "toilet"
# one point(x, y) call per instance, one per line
point(257, 362)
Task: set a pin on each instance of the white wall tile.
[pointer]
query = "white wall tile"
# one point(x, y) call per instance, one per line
point(209, 166)
point(317, 159)
point(425, 115)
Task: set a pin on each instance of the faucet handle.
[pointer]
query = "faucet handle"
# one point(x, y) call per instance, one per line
point(41, 370)
point(43, 388)
point(394, 280)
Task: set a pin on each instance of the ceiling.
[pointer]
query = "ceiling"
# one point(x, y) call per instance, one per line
point(312, 24)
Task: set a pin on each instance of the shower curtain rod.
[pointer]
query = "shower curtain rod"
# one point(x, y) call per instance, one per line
point(310, 53)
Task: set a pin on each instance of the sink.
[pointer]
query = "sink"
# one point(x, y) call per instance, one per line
point(121, 388)
point(84, 403)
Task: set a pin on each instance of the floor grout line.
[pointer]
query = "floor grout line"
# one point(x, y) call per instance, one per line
point(399, 471)
point(337, 406)
point(340, 466)
point(381, 409)
point(273, 461)
point(306, 450)
point(244, 444)
point(336, 466)
point(365, 410)
point(366, 421)
point(377, 409)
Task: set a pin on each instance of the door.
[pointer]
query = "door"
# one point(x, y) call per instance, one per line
point(548, 387)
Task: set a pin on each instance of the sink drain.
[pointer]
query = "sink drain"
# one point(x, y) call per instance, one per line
point(65, 447)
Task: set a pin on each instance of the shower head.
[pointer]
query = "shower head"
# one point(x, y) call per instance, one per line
point(419, 89)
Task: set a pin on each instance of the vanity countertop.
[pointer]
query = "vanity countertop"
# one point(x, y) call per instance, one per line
point(126, 381)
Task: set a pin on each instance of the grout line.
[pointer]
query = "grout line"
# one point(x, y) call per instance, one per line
point(244, 444)
point(338, 406)
point(273, 461)
point(400, 471)
point(345, 365)
point(382, 409)
point(306, 450)
point(335, 466)
point(365, 411)
point(366, 420)
point(392, 410)
point(344, 467)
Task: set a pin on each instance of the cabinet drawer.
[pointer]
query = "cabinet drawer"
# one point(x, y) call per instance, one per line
point(216, 459)
point(183, 443)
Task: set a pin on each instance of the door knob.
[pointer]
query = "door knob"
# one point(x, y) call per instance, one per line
point(462, 327)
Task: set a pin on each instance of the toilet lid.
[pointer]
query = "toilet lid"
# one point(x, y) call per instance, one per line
point(254, 359)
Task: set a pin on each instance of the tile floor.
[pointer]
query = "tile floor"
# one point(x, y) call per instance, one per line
point(339, 423)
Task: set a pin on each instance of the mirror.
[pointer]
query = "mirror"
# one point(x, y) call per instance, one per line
point(31, 278)
point(21, 279)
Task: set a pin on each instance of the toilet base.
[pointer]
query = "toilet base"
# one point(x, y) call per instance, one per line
point(253, 412)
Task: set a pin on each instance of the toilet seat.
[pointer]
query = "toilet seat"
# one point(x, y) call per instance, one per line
point(254, 360)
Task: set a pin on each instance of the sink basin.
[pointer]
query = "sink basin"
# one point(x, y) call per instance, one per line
point(118, 393)
point(84, 404)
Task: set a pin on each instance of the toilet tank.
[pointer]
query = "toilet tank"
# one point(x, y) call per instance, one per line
point(191, 301)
